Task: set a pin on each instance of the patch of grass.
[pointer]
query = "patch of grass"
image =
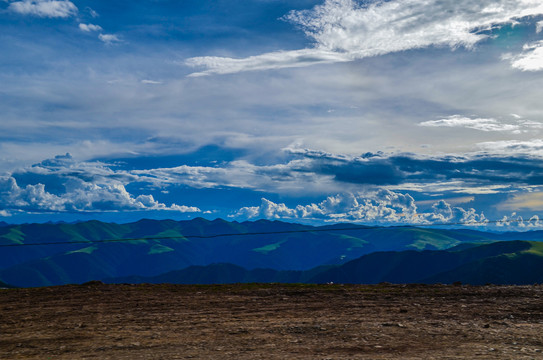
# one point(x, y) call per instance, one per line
point(15, 236)
point(269, 248)
point(159, 249)
point(88, 250)
point(536, 249)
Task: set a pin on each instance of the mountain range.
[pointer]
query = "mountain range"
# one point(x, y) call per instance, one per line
point(259, 251)
point(514, 262)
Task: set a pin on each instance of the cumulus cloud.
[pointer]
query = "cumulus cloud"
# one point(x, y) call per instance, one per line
point(65, 185)
point(346, 30)
point(380, 207)
point(89, 27)
point(109, 38)
point(531, 58)
point(85, 197)
point(44, 8)
point(518, 221)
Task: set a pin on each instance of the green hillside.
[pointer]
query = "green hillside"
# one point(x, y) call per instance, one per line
point(172, 245)
point(519, 268)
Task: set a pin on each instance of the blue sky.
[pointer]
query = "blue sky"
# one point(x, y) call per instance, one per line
point(387, 112)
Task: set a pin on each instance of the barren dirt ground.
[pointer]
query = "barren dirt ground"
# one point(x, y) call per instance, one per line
point(252, 321)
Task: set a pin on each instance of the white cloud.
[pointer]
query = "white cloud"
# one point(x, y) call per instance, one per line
point(274, 60)
point(292, 177)
point(383, 206)
point(490, 171)
point(109, 38)
point(531, 58)
point(345, 30)
point(80, 197)
point(44, 8)
point(517, 220)
point(63, 184)
point(533, 148)
point(477, 124)
point(525, 201)
point(151, 82)
point(539, 27)
point(75, 187)
point(90, 27)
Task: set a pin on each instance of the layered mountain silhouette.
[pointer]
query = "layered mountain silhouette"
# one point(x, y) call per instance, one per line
point(515, 262)
point(218, 251)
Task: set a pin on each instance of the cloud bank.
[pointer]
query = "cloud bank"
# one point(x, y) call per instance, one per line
point(65, 185)
point(346, 30)
point(468, 171)
point(372, 188)
point(383, 206)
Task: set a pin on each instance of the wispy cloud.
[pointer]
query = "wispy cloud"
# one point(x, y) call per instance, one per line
point(459, 121)
point(528, 148)
point(274, 60)
point(345, 30)
point(44, 8)
point(151, 82)
point(525, 201)
point(91, 12)
point(109, 38)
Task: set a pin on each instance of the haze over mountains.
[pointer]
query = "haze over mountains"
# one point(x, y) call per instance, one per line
point(191, 252)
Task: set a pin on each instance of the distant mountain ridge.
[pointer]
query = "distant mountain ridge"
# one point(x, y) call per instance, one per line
point(515, 262)
point(277, 245)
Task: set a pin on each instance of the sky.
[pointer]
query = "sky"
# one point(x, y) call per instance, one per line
point(372, 112)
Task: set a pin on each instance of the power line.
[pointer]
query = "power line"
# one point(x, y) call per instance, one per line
point(335, 229)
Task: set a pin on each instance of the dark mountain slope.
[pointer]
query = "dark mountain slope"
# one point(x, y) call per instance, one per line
point(516, 262)
point(172, 245)
point(518, 268)
point(413, 266)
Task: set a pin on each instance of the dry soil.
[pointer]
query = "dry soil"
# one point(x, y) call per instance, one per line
point(252, 321)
